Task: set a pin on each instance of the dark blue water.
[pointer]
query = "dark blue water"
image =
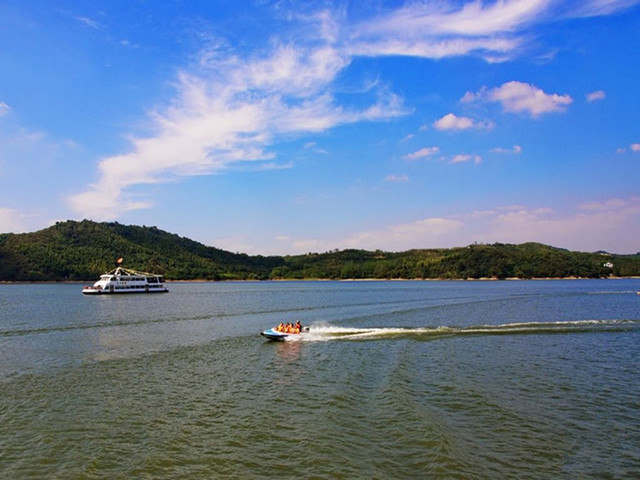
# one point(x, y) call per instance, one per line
point(526, 379)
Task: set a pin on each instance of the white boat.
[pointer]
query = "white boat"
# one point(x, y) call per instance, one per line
point(123, 280)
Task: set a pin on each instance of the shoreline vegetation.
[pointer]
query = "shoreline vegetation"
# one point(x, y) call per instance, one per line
point(79, 252)
point(345, 280)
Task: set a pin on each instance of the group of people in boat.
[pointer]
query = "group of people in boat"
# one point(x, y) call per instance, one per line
point(289, 327)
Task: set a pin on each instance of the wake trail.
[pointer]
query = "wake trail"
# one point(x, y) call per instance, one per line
point(329, 332)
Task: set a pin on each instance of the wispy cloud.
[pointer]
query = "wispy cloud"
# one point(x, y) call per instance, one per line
point(232, 108)
point(595, 8)
point(612, 225)
point(4, 109)
point(595, 96)
point(88, 22)
point(422, 153)
point(465, 158)
point(517, 97)
point(313, 147)
point(634, 147)
point(404, 236)
point(12, 220)
point(396, 178)
point(609, 224)
point(606, 205)
point(516, 150)
point(496, 50)
point(449, 18)
point(441, 29)
point(452, 122)
point(230, 113)
point(495, 31)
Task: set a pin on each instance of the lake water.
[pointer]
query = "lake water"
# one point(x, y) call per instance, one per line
point(446, 380)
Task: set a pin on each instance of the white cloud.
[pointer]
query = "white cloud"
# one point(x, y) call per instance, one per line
point(4, 109)
point(88, 22)
point(395, 178)
point(516, 150)
point(595, 96)
point(492, 30)
point(230, 110)
point(464, 158)
point(422, 153)
point(441, 29)
point(436, 48)
point(595, 8)
point(447, 18)
point(12, 221)
point(452, 122)
point(229, 114)
point(237, 244)
point(516, 97)
point(634, 147)
point(606, 205)
point(313, 146)
point(612, 225)
point(428, 231)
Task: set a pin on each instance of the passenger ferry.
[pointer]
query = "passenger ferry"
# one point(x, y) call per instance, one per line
point(123, 280)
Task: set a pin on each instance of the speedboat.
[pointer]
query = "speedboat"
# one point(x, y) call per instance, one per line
point(277, 336)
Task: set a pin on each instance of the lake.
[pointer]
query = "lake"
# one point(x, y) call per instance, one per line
point(411, 379)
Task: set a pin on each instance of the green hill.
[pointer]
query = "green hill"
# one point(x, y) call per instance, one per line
point(529, 260)
point(83, 250)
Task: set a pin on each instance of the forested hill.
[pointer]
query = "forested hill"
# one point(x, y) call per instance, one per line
point(83, 250)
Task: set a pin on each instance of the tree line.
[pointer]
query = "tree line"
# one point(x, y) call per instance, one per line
point(81, 251)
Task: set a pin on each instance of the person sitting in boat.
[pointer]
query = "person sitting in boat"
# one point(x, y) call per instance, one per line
point(280, 327)
point(298, 327)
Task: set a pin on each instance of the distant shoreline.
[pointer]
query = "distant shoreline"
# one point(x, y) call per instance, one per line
point(482, 279)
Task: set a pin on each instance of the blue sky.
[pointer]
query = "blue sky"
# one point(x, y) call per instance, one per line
point(283, 127)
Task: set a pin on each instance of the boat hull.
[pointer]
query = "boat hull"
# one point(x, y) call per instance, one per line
point(276, 336)
point(96, 291)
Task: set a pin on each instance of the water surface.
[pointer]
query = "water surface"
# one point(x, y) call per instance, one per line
point(469, 380)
